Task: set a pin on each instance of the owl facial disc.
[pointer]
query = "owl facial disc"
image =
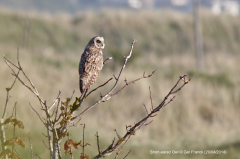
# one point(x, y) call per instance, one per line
point(99, 42)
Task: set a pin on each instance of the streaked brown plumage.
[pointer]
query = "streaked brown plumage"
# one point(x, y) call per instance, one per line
point(91, 63)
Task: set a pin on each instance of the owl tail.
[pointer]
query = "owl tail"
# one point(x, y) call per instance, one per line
point(83, 91)
point(81, 86)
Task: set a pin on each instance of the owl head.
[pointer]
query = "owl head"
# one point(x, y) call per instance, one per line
point(97, 41)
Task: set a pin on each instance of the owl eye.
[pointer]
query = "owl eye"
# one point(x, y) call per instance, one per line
point(98, 41)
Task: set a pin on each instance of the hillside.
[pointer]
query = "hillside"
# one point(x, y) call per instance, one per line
point(204, 115)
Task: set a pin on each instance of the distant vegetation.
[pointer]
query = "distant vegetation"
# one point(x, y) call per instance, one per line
point(161, 33)
point(206, 117)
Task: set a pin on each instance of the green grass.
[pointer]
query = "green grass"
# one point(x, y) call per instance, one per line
point(220, 79)
point(204, 115)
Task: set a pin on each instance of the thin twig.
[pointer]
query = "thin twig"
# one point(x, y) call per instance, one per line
point(145, 108)
point(55, 101)
point(132, 82)
point(117, 133)
point(8, 96)
point(45, 145)
point(75, 124)
point(169, 101)
point(2, 128)
point(44, 135)
point(151, 97)
point(19, 156)
point(115, 77)
point(127, 154)
point(98, 87)
point(37, 114)
point(10, 62)
point(14, 108)
point(109, 58)
point(83, 140)
point(24, 140)
point(149, 122)
point(55, 120)
point(98, 143)
point(33, 91)
point(32, 155)
point(72, 95)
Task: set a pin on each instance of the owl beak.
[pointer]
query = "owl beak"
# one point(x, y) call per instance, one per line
point(103, 46)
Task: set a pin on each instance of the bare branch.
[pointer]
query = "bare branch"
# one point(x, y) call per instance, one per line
point(99, 152)
point(45, 145)
point(55, 101)
point(145, 108)
point(151, 97)
point(149, 122)
point(20, 68)
point(18, 59)
point(132, 82)
point(7, 98)
point(2, 135)
point(10, 62)
point(83, 145)
point(33, 91)
point(117, 133)
point(44, 135)
point(14, 109)
point(169, 101)
point(75, 124)
point(109, 58)
point(18, 155)
point(98, 87)
point(72, 95)
point(37, 114)
point(56, 120)
point(127, 154)
point(31, 150)
point(183, 78)
point(23, 140)
point(32, 155)
point(115, 77)
point(137, 126)
point(125, 81)
point(54, 111)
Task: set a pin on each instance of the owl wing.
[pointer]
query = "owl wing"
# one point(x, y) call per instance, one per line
point(90, 65)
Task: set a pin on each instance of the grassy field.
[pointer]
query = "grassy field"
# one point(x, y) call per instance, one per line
point(204, 115)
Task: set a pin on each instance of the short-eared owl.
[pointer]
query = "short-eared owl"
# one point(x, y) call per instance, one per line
point(91, 63)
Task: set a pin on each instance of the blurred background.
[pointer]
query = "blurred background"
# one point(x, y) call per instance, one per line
point(174, 37)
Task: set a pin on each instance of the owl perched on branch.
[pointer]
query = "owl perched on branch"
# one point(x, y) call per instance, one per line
point(91, 63)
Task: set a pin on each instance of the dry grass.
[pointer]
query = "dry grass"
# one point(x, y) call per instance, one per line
point(204, 114)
